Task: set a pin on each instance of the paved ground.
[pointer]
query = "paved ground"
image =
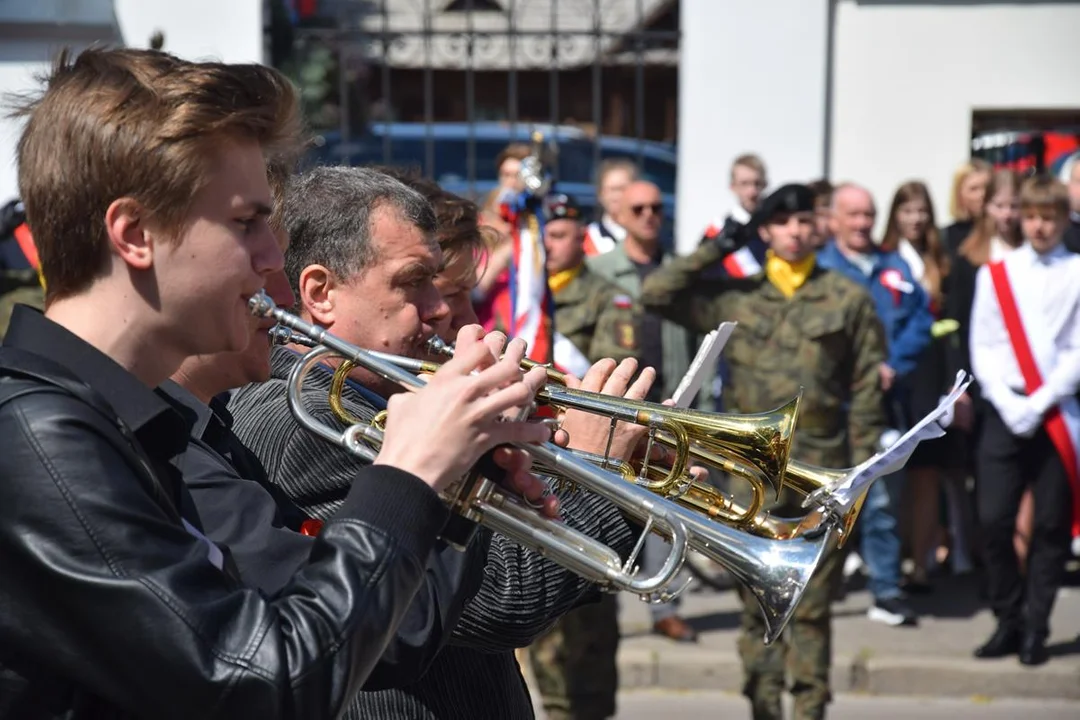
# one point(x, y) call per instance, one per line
point(932, 660)
point(651, 704)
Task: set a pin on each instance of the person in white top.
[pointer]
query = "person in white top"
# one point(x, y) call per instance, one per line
point(1025, 353)
point(612, 178)
point(749, 179)
point(995, 234)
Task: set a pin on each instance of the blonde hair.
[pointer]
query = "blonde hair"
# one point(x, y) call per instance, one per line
point(1043, 192)
point(751, 161)
point(973, 166)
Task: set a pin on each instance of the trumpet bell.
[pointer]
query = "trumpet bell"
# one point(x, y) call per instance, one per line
point(776, 572)
point(762, 440)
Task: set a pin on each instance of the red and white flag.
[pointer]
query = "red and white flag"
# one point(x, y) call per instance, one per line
point(531, 301)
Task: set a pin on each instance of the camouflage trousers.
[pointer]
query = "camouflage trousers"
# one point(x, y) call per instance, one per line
point(574, 663)
point(803, 653)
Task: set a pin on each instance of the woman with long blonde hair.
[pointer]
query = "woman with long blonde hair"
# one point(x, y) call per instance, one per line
point(966, 201)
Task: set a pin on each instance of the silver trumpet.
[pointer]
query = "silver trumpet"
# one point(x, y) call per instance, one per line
point(776, 571)
point(478, 500)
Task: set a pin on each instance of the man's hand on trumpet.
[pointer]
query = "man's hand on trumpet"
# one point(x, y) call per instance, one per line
point(589, 431)
point(469, 407)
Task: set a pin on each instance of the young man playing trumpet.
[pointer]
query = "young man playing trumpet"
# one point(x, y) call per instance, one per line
point(799, 328)
point(362, 262)
point(145, 187)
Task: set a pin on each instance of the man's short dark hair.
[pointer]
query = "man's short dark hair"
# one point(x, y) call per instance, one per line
point(328, 215)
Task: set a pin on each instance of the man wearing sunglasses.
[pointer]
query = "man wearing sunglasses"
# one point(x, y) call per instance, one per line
point(661, 344)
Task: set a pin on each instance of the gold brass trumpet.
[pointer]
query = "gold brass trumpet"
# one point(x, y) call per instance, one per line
point(677, 483)
point(759, 444)
point(761, 441)
point(716, 505)
point(776, 572)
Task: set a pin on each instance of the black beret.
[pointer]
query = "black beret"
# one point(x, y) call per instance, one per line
point(561, 207)
point(787, 200)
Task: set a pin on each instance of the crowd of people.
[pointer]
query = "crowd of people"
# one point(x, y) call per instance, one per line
point(873, 330)
point(182, 547)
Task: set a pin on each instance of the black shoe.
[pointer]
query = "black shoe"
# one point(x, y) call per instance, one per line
point(1033, 650)
point(892, 611)
point(1004, 641)
point(917, 587)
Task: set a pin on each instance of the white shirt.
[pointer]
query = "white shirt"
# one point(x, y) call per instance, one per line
point(999, 248)
point(913, 258)
point(1049, 287)
point(617, 231)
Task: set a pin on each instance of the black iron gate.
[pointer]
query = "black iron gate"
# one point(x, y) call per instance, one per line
point(412, 81)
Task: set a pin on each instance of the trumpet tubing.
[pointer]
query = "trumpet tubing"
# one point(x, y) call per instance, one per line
point(476, 499)
point(761, 440)
point(776, 572)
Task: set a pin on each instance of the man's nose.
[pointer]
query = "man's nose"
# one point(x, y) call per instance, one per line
point(268, 257)
point(437, 311)
point(279, 290)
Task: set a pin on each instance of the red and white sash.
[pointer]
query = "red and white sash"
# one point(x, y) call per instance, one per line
point(742, 263)
point(1035, 354)
point(596, 242)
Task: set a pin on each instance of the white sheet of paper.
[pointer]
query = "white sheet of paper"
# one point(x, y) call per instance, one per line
point(706, 357)
point(896, 456)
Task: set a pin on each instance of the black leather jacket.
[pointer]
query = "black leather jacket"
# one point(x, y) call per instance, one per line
point(112, 604)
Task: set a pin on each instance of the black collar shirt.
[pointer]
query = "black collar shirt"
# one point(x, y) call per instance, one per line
point(238, 506)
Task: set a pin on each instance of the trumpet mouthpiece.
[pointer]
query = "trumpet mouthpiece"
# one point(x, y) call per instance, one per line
point(261, 305)
point(437, 346)
point(280, 335)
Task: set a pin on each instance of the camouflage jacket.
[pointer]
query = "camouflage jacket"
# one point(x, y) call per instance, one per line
point(826, 339)
point(597, 317)
point(679, 345)
point(18, 287)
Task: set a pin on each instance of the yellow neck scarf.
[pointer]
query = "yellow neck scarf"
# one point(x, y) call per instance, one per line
point(563, 278)
point(787, 277)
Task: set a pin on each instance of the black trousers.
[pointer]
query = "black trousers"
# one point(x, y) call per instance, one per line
point(1008, 464)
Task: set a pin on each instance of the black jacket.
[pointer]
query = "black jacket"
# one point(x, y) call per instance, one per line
point(242, 509)
point(112, 603)
point(513, 594)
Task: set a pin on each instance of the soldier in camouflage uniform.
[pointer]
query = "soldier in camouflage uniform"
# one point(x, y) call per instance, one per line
point(19, 279)
point(799, 326)
point(574, 663)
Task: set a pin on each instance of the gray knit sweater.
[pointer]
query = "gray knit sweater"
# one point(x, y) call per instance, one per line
point(475, 676)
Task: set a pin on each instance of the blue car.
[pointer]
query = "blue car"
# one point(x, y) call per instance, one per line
point(450, 146)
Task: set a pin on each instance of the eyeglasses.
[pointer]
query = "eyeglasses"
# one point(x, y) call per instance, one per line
point(657, 209)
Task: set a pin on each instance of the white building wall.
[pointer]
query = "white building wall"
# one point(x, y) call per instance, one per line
point(32, 32)
point(908, 75)
point(751, 79)
point(225, 30)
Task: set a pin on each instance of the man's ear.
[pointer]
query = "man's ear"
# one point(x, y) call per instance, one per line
point(128, 234)
point(317, 284)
